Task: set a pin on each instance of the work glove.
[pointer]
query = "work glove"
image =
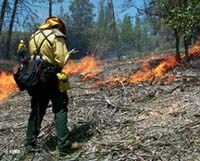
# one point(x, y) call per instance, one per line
point(63, 82)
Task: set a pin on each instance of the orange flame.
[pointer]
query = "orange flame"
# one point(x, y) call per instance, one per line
point(142, 75)
point(195, 51)
point(154, 73)
point(7, 85)
point(146, 73)
point(88, 67)
point(110, 80)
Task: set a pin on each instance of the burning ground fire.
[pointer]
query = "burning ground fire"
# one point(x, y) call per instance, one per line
point(7, 85)
point(89, 68)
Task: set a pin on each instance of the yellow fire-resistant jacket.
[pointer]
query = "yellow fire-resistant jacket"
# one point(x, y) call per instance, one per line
point(53, 49)
point(21, 46)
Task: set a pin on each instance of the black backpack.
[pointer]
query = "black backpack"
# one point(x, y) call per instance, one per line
point(28, 76)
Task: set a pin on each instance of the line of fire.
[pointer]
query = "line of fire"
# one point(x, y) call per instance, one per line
point(153, 70)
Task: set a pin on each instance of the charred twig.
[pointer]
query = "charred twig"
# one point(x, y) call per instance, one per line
point(175, 88)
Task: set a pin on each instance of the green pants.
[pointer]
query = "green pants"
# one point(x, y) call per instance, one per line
point(39, 105)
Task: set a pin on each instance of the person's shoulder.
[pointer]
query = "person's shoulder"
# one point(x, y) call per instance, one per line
point(34, 33)
point(57, 33)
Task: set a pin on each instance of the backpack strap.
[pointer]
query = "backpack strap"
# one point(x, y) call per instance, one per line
point(33, 37)
point(45, 38)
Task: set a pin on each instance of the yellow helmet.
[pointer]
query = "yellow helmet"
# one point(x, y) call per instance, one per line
point(54, 22)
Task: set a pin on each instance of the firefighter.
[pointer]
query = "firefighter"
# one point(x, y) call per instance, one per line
point(49, 41)
point(21, 51)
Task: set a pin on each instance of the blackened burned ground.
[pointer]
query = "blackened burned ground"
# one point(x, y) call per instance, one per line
point(123, 123)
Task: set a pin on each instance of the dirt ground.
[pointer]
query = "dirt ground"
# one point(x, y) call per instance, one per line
point(6, 65)
point(143, 122)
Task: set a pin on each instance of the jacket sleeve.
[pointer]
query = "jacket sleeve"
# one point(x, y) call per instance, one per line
point(60, 51)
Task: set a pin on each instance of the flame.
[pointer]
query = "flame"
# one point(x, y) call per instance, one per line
point(148, 73)
point(153, 69)
point(195, 50)
point(7, 85)
point(88, 67)
point(141, 75)
point(110, 80)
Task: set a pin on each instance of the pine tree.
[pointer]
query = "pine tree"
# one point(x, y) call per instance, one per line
point(81, 24)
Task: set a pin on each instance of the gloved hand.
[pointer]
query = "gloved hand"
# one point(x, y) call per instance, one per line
point(63, 82)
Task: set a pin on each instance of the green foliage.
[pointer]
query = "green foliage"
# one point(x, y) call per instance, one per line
point(127, 34)
point(81, 14)
point(17, 36)
point(134, 35)
point(81, 19)
point(183, 17)
point(105, 33)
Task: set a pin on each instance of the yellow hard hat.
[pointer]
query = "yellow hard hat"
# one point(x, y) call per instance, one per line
point(54, 22)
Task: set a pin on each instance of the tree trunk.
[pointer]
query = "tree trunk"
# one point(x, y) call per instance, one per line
point(50, 8)
point(177, 42)
point(111, 6)
point(10, 30)
point(186, 44)
point(3, 10)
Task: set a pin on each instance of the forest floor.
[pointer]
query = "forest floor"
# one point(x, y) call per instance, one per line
point(142, 122)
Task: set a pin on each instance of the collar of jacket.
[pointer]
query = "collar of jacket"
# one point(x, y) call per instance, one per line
point(58, 33)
